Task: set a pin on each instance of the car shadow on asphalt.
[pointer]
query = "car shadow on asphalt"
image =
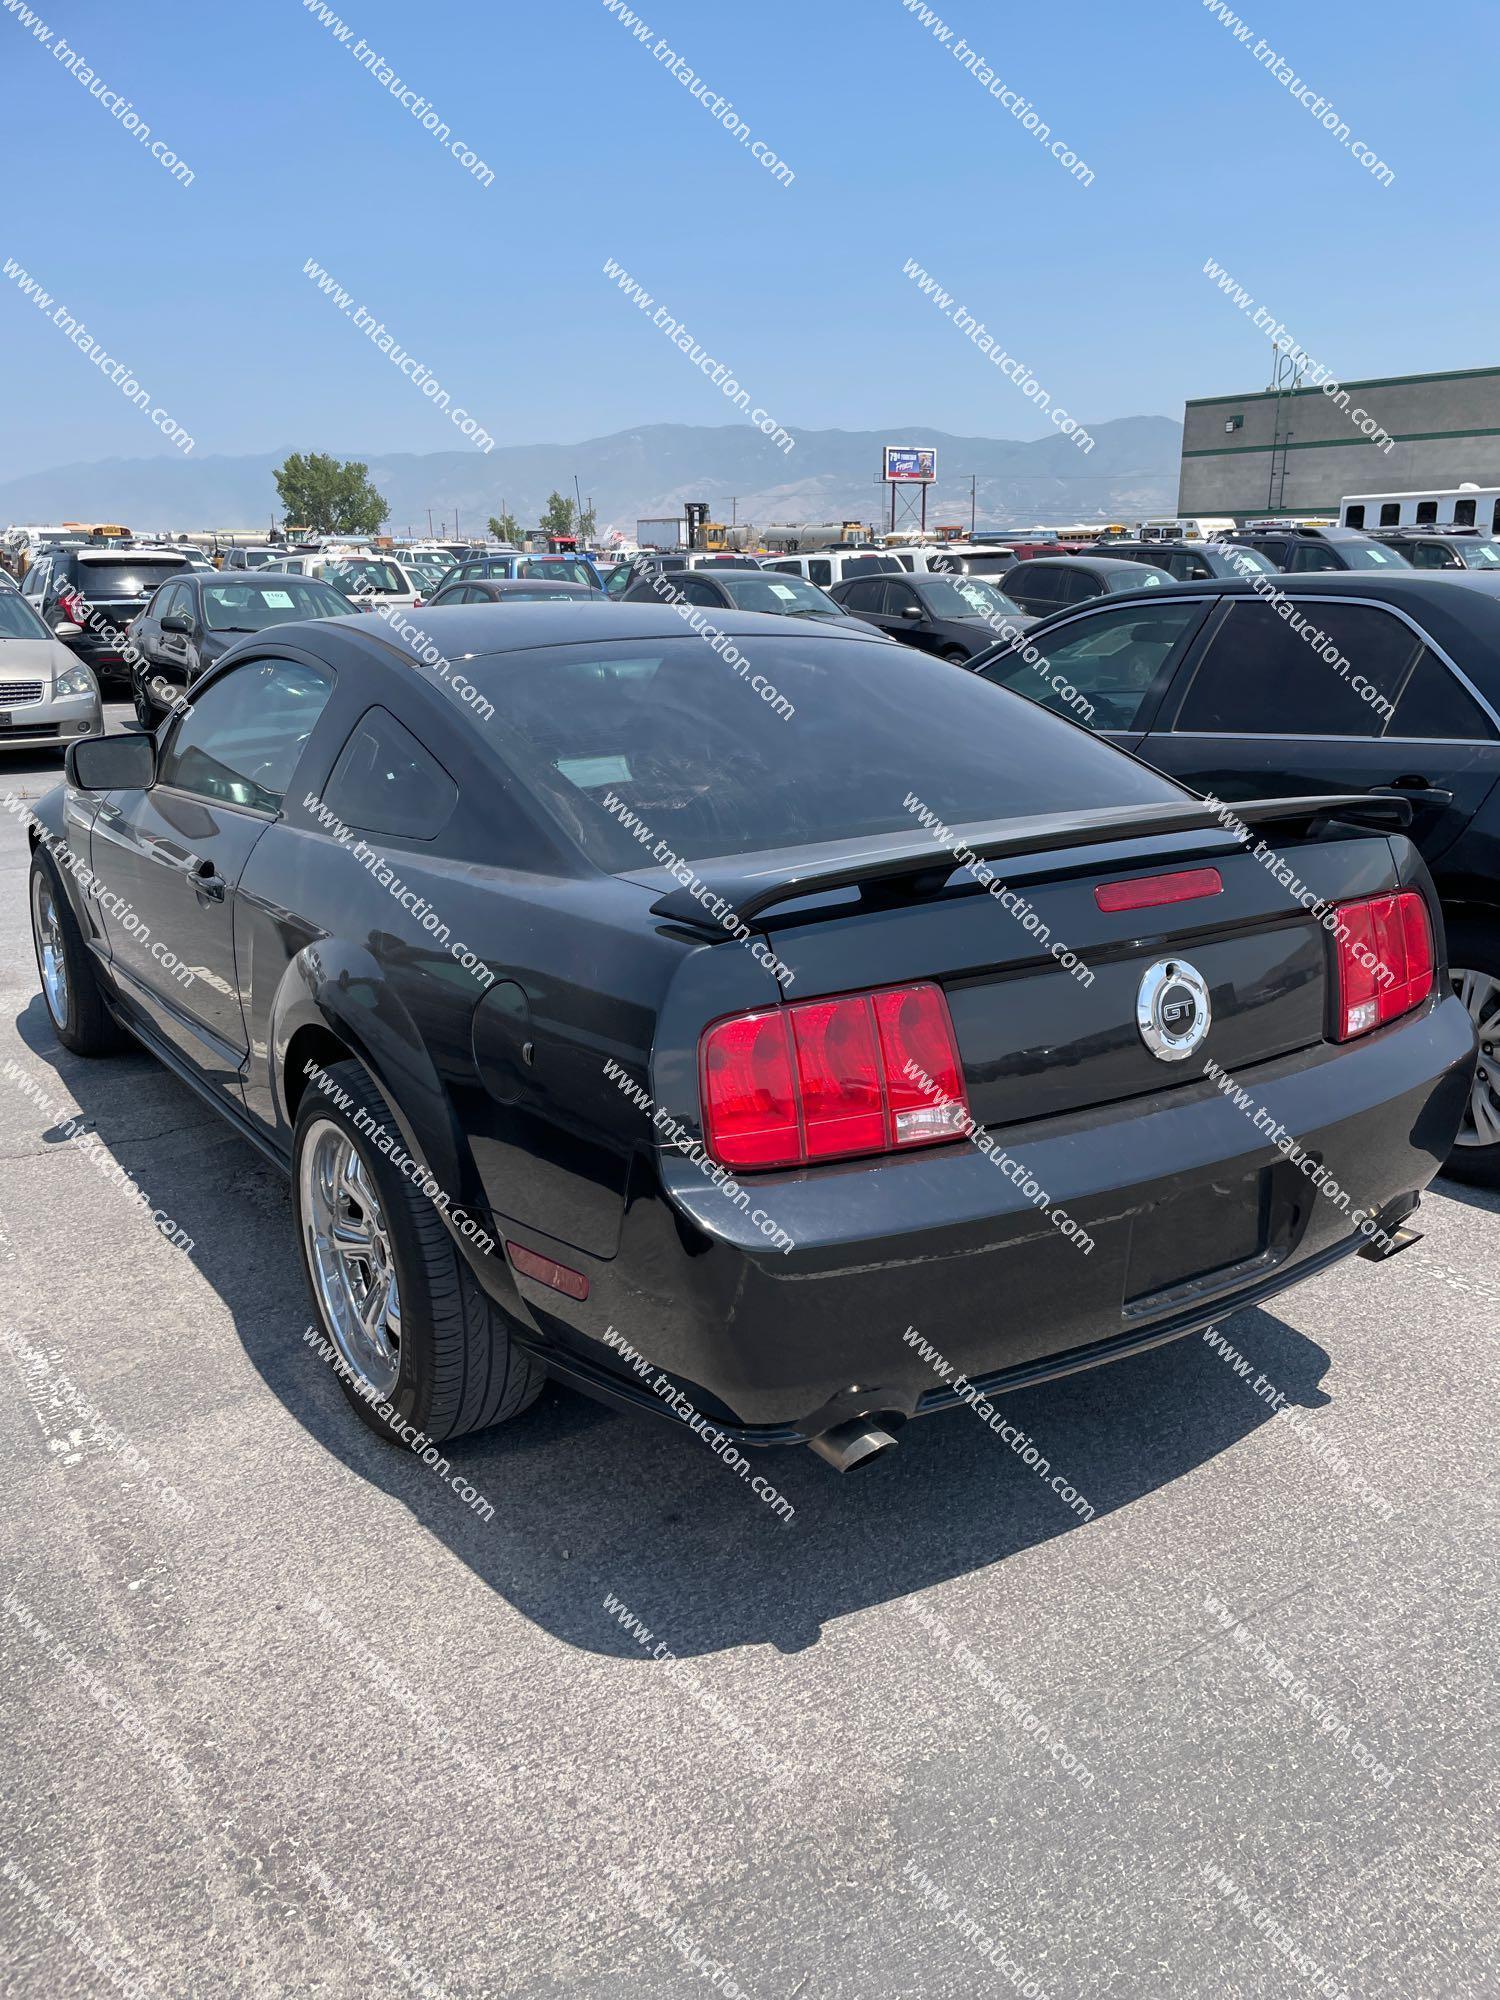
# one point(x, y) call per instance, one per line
point(589, 1501)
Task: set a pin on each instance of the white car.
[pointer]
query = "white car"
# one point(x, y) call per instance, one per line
point(365, 580)
point(47, 695)
point(830, 566)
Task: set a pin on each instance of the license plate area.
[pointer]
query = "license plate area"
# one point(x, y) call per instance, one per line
point(1214, 1238)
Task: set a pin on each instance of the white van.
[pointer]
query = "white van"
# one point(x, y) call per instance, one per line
point(834, 565)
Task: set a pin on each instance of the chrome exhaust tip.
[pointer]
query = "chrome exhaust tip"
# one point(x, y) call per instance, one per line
point(853, 1443)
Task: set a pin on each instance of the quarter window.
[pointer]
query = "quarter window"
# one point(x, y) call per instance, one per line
point(1260, 677)
point(385, 782)
point(240, 742)
point(1437, 707)
point(1100, 669)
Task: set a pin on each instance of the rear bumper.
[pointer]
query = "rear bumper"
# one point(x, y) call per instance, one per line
point(777, 1346)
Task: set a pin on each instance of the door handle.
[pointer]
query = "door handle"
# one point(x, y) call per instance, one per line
point(1415, 789)
point(208, 882)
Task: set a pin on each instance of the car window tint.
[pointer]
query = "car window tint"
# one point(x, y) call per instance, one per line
point(385, 782)
point(1312, 555)
point(1261, 677)
point(241, 740)
point(650, 726)
point(1436, 705)
point(820, 571)
point(698, 590)
point(866, 595)
point(1098, 670)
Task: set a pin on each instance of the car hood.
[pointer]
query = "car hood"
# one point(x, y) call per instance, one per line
point(34, 659)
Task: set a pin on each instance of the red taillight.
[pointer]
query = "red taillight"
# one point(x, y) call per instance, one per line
point(72, 607)
point(826, 1079)
point(416, 604)
point(1145, 892)
point(1385, 966)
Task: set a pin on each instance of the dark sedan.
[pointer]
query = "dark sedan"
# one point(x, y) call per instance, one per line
point(954, 617)
point(503, 590)
point(1383, 684)
point(1044, 584)
point(1302, 550)
point(1190, 562)
point(739, 590)
point(194, 618)
point(620, 993)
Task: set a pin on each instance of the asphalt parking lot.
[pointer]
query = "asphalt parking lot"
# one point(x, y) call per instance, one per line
point(286, 1714)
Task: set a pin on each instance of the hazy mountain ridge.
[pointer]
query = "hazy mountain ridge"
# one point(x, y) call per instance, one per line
point(653, 469)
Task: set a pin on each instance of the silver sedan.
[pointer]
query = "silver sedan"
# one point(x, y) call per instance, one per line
point(47, 694)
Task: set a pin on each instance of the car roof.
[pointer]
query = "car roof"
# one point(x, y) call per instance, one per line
point(1075, 562)
point(502, 586)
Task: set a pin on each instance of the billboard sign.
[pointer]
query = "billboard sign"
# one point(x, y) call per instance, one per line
point(910, 465)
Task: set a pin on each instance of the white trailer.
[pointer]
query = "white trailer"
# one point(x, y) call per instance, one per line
point(667, 531)
point(1466, 506)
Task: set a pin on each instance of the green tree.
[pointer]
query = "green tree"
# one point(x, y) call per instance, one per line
point(559, 517)
point(333, 496)
point(588, 522)
point(505, 528)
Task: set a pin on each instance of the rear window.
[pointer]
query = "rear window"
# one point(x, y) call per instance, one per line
point(677, 738)
point(559, 572)
point(382, 579)
point(126, 578)
point(246, 606)
point(869, 565)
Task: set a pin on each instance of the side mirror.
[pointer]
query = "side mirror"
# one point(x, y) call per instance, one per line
point(910, 611)
point(66, 630)
point(175, 622)
point(111, 763)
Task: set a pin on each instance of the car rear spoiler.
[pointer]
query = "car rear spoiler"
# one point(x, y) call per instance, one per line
point(746, 892)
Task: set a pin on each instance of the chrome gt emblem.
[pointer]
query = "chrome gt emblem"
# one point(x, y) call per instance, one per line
point(1172, 1009)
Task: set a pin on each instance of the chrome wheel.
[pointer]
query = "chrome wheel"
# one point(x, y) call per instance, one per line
point(50, 957)
point(1480, 993)
point(350, 1257)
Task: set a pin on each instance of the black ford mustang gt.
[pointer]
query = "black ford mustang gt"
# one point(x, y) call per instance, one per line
point(599, 983)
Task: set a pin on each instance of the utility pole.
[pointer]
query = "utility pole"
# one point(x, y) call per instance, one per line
point(734, 511)
point(972, 503)
point(430, 536)
point(578, 498)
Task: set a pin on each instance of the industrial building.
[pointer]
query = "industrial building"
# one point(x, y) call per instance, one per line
point(1298, 451)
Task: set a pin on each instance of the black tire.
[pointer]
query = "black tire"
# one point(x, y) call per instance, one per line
point(145, 707)
point(82, 1022)
point(459, 1368)
point(1474, 948)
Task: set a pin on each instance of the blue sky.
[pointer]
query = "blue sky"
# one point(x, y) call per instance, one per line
point(598, 152)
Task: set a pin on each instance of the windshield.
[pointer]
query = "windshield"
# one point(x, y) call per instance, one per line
point(667, 731)
point(1250, 562)
point(18, 620)
point(1479, 555)
point(1370, 555)
point(751, 591)
point(965, 597)
point(559, 570)
point(245, 606)
point(379, 579)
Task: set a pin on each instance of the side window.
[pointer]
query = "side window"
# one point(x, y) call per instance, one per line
point(1354, 517)
point(787, 568)
point(1261, 678)
point(1436, 706)
point(1426, 513)
point(36, 579)
point(1099, 669)
point(820, 570)
point(1076, 586)
point(866, 595)
point(1423, 555)
point(899, 597)
point(240, 742)
point(174, 598)
point(1390, 514)
point(1463, 513)
point(1038, 588)
point(385, 782)
point(1312, 555)
point(698, 590)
